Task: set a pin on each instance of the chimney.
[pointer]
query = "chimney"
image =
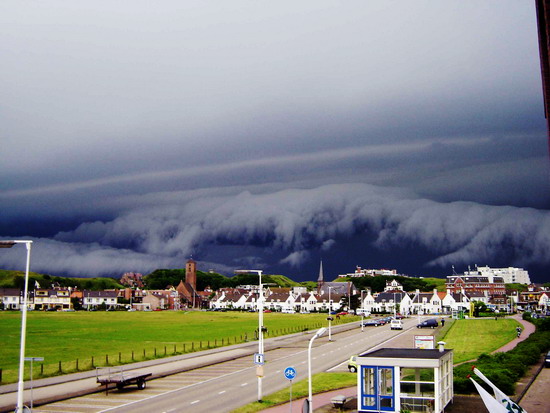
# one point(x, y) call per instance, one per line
point(441, 346)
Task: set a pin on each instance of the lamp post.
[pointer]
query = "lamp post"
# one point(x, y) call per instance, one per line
point(362, 312)
point(260, 331)
point(20, 384)
point(319, 333)
point(329, 318)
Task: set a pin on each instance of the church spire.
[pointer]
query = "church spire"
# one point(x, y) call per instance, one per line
point(320, 280)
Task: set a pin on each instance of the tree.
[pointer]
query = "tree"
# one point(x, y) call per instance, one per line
point(75, 301)
point(479, 307)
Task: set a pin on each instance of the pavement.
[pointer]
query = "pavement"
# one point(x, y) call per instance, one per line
point(321, 401)
point(528, 329)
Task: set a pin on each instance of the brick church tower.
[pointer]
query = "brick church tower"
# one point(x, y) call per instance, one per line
point(191, 273)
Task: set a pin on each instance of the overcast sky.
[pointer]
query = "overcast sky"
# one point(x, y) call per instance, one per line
point(407, 135)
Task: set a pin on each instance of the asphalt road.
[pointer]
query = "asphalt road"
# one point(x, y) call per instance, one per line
point(228, 385)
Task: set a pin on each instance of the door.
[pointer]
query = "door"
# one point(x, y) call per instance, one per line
point(377, 389)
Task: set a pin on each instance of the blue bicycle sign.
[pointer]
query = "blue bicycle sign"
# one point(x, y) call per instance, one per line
point(290, 373)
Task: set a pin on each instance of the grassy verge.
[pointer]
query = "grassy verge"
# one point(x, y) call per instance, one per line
point(77, 341)
point(472, 337)
point(320, 383)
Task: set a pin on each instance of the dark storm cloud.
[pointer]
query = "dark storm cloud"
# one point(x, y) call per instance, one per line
point(298, 223)
point(258, 134)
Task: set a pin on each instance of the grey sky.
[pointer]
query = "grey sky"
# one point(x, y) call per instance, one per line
point(112, 109)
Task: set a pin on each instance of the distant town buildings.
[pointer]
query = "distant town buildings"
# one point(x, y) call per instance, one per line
point(132, 280)
point(361, 272)
point(484, 284)
point(509, 275)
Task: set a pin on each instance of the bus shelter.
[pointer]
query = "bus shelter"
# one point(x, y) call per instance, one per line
point(405, 379)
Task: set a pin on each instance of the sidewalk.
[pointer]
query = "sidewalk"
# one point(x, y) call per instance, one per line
point(320, 401)
point(528, 329)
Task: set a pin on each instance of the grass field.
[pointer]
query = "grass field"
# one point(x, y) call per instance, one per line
point(473, 337)
point(62, 338)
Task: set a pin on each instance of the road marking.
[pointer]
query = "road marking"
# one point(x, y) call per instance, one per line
point(244, 384)
point(222, 392)
point(195, 402)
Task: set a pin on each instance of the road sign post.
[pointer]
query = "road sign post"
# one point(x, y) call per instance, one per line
point(259, 359)
point(290, 374)
point(33, 359)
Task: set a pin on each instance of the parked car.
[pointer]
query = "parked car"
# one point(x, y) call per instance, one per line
point(375, 323)
point(430, 322)
point(547, 360)
point(396, 324)
point(352, 364)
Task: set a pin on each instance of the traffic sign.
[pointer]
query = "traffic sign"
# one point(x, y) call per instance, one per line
point(290, 373)
point(259, 358)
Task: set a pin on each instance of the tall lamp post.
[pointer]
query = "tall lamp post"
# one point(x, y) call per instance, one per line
point(260, 330)
point(362, 312)
point(319, 333)
point(329, 318)
point(20, 384)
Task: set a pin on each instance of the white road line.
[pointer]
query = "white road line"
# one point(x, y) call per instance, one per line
point(173, 391)
point(244, 384)
point(222, 392)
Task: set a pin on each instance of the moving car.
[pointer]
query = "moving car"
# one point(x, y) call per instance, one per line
point(352, 364)
point(430, 322)
point(396, 325)
point(375, 323)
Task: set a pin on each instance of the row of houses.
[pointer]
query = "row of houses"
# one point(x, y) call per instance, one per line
point(60, 298)
point(336, 296)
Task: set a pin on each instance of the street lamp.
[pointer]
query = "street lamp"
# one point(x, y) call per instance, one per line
point(260, 332)
point(329, 318)
point(319, 333)
point(20, 384)
point(362, 312)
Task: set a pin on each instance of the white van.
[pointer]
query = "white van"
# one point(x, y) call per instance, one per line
point(396, 324)
point(288, 310)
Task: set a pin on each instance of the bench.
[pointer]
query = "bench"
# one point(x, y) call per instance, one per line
point(339, 401)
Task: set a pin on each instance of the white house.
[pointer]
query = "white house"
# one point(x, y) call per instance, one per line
point(368, 303)
point(93, 299)
point(11, 298)
point(455, 302)
point(543, 301)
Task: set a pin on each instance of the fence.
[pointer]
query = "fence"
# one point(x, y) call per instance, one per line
point(160, 350)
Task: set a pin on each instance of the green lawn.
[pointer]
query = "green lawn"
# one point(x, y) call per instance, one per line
point(472, 337)
point(112, 336)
